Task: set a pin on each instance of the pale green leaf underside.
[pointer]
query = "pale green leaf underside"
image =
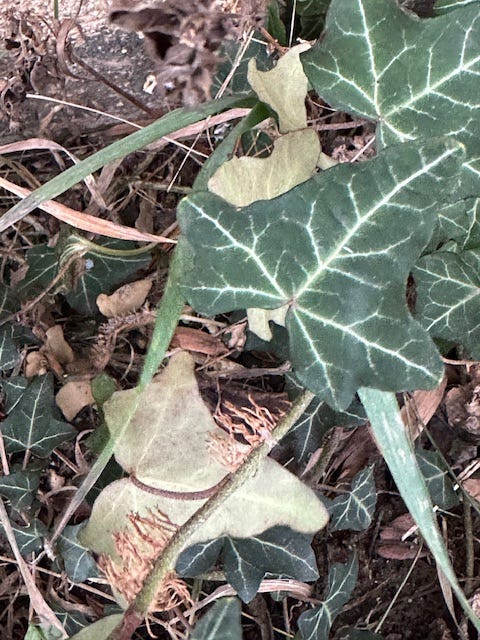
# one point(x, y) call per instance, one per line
point(416, 78)
point(283, 88)
point(272, 497)
point(448, 297)
point(244, 180)
point(337, 249)
point(166, 443)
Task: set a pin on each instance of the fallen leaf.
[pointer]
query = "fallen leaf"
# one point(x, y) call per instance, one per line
point(125, 299)
point(189, 339)
point(73, 397)
point(58, 346)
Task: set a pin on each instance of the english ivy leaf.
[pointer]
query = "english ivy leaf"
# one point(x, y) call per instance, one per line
point(8, 303)
point(13, 389)
point(101, 273)
point(445, 6)
point(72, 622)
point(8, 350)
point(448, 297)
point(436, 477)
point(284, 89)
point(312, 17)
point(30, 425)
point(316, 623)
point(308, 432)
point(42, 268)
point(94, 273)
point(78, 561)
point(170, 416)
point(221, 621)
point(231, 57)
point(354, 510)
point(416, 78)
point(337, 249)
point(278, 551)
point(30, 538)
point(20, 487)
point(199, 558)
point(244, 180)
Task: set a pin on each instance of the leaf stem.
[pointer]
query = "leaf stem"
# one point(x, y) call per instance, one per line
point(166, 562)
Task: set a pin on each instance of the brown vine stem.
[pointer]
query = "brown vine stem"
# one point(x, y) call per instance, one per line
point(166, 562)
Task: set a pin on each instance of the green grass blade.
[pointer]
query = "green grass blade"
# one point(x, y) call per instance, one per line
point(164, 126)
point(395, 446)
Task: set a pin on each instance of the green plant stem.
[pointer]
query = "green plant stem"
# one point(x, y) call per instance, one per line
point(168, 316)
point(397, 451)
point(166, 562)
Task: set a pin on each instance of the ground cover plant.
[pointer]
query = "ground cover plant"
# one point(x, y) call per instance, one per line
point(358, 280)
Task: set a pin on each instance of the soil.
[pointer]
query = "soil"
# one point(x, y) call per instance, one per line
point(419, 612)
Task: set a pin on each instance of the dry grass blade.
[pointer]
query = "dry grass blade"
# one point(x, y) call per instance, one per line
point(84, 221)
point(36, 599)
point(42, 143)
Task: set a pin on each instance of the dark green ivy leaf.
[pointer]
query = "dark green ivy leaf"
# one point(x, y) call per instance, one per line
point(20, 487)
point(30, 538)
point(77, 559)
point(221, 622)
point(199, 558)
point(316, 623)
point(448, 297)
point(308, 432)
point(30, 425)
point(354, 510)
point(337, 250)
point(278, 551)
point(416, 78)
point(439, 484)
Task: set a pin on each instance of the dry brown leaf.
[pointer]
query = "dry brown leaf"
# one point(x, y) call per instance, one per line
point(58, 346)
point(73, 397)
point(472, 487)
point(420, 408)
point(35, 364)
point(198, 342)
point(125, 299)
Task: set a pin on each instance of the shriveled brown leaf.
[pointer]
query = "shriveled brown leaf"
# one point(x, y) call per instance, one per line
point(125, 299)
point(58, 346)
point(198, 341)
point(472, 487)
point(73, 397)
point(35, 364)
point(420, 408)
